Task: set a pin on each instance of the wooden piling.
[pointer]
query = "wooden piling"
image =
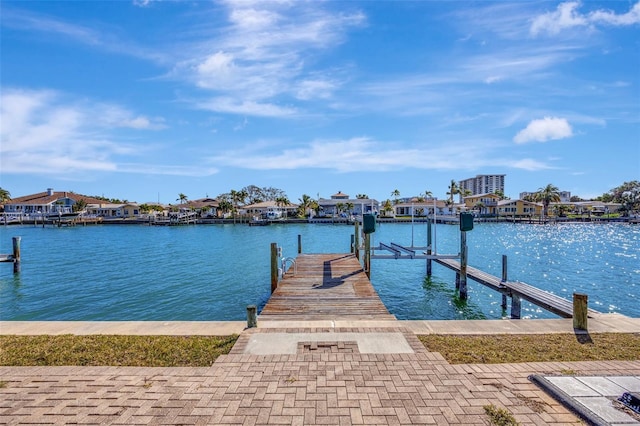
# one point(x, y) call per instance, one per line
point(274, 267)
point(252, 316)
point(516, 309)
point(429, 252)
point(16, 254)
point(299, 244)
point(367, 255)
point(580, 302)
point(504, 280)
point(357, 239)
point(353, 244)
point(463, 265)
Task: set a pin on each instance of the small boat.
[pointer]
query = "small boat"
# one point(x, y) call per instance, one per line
point(258, 222)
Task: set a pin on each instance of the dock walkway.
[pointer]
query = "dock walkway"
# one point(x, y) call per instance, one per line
point(549, 301)
point(325, 286)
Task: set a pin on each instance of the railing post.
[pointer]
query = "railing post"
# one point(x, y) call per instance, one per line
point(274, 267)
point(580, 302)
point(252, 317)
point(16, 254)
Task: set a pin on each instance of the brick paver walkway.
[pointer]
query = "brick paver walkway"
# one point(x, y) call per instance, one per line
point(324, 383)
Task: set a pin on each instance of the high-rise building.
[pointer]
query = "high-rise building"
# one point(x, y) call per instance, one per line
point(482, 184)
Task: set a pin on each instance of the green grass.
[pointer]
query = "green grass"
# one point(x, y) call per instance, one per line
point(153, 351)
point(202, 351)
point(509, 348)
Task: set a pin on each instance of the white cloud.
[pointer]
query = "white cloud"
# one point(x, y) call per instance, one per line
point(545, 129)
point(530, 165)
point(360, 154)
point(246, 107)
point(567, 16)
point(44, 132)
point(263, 55)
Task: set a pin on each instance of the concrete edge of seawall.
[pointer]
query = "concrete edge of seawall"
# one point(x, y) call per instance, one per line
point(605, 323)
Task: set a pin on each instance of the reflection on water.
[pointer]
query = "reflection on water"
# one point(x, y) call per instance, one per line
point(212, 272)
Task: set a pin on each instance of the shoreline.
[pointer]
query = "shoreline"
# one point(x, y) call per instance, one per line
point(446, 220)
point(604, 323)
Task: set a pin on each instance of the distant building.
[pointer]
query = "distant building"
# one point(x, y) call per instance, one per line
point(482, 184)
point(565, 196)
point(356, 206)
point(47, 202)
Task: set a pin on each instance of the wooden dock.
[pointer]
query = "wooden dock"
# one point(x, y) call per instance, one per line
point(549, 301)
point(322, 287)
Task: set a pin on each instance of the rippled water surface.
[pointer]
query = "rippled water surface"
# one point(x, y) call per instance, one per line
point(212, 272)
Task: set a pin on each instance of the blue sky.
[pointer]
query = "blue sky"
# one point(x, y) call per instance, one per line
point(144, 100)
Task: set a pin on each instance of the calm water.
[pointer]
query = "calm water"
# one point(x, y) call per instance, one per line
point(212, 272)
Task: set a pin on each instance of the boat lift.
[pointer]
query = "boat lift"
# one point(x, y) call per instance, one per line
point(428, 252)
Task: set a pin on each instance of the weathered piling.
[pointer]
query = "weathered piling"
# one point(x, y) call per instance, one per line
point(299, 244)
point(504, 280)
point(274, 267)
point(580, 302)
point(357, 240)
point(429, 252)
point(252, 316)
point(16, 254)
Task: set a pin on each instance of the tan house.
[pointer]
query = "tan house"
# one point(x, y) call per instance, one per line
point(113, 211)
point(519, 208)
point(482, 204)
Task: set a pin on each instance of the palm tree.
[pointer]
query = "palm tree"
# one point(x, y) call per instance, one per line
point(237, 198)
point(79, 205)
point(349, 207)
point(362, 196)
point(547, 195)
point(395, 194)
point(4, 195)
point(427, 194)
point(453, 190)
point(304, 205)
point(182, 198)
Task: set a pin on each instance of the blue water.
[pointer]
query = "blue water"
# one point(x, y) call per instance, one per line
point(212, 272)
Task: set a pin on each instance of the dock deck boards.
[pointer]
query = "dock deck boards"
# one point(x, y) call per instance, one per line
point(325, 286)
point(549, 301)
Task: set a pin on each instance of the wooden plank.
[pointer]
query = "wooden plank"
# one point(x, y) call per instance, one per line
point(544, 299)
point(325, 286)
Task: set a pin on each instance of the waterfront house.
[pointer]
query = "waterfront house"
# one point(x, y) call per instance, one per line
point(482, 204)
point(342, 203)
point(413, 207)
point(208, 207)
point(113, 210)
point(270, 210)
point(48, 202)
point(519, 208)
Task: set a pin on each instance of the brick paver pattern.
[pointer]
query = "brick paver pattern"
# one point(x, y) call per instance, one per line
point(330, 383)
